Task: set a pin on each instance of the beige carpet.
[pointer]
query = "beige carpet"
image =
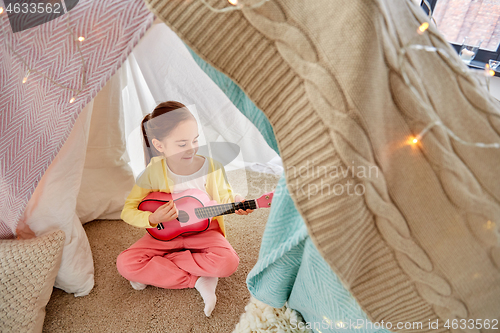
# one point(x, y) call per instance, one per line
point(113, 306)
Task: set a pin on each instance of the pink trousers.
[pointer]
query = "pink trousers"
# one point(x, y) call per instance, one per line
point(178, 263)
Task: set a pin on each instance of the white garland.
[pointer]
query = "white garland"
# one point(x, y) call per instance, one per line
point(236, 6)
point(437, 122)
point(33, 70)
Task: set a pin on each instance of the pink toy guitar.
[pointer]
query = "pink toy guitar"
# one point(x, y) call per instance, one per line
point(195, 211)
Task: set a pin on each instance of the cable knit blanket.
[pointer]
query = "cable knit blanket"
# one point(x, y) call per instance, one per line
point(410, 228)
point(290, 269)
point(37, 117)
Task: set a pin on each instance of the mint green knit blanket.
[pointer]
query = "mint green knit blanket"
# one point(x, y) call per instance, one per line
point(290, 269)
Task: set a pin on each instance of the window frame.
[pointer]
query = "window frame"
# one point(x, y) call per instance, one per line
point(482, 57)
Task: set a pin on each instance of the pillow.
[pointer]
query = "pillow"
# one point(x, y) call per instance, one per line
point(27, 274)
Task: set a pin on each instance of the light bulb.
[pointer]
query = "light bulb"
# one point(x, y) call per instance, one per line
point(488, 71)
point(72, 100)
point(413, 140)
point(81, 38)
point(233, 2)
point(1, 10)
point(424, 26)
point(490, 225)
point(26, 77)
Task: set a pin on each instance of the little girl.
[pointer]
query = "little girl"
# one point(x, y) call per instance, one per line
point(197, 260)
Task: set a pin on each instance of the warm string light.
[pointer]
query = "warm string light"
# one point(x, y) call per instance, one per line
point(402, 55)
point(423, 27)
point(488, 72)
point(425, 130)
point(236, 5)
point(84, 76)
point(26, 77)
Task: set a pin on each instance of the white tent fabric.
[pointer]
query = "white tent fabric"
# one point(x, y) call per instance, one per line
point(95, 170)
point(176, 76)
point(52, 207)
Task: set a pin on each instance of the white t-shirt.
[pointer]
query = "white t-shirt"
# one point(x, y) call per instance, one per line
point(196, 180)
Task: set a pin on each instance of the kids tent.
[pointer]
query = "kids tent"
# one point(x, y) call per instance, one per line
point(92, 173)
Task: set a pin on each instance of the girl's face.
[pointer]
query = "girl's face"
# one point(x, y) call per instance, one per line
point(180, 146)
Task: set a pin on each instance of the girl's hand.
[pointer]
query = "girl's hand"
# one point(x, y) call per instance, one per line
point(239, 198)
point(164, 213)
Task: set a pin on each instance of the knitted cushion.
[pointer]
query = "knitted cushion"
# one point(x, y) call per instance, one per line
point(27, 274)
point(418, 241)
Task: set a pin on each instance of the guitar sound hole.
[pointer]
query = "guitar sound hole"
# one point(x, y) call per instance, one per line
point(183, 217)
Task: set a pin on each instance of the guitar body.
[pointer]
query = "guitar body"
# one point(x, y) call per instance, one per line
point(187, 222)
point(195, 211)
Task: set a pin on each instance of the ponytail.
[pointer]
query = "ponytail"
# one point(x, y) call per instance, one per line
point(146, 143)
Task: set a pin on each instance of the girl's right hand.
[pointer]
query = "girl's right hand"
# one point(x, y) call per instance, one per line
point(164, 213)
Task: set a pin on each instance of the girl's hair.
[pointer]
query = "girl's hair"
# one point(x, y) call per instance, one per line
point(155, 127)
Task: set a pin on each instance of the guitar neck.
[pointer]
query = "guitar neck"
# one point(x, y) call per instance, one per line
point(224, 209)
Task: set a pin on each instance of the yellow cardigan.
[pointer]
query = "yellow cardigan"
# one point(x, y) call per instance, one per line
point(155, 179)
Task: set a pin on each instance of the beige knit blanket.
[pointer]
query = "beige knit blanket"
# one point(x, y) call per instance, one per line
point(410, 228)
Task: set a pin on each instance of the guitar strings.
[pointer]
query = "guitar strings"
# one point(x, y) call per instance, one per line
point(205, 212)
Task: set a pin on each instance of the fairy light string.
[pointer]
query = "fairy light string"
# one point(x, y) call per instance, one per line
point(402, 63)
point(236, 5)
point(401, 59)
point(30, 70)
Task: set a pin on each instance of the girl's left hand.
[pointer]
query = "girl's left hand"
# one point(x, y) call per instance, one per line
point(239, 198)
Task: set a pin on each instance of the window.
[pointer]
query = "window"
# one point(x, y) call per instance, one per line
point(474, 19)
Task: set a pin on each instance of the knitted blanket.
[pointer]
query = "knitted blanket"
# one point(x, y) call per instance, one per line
point(290, 269)
point(410, 227)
